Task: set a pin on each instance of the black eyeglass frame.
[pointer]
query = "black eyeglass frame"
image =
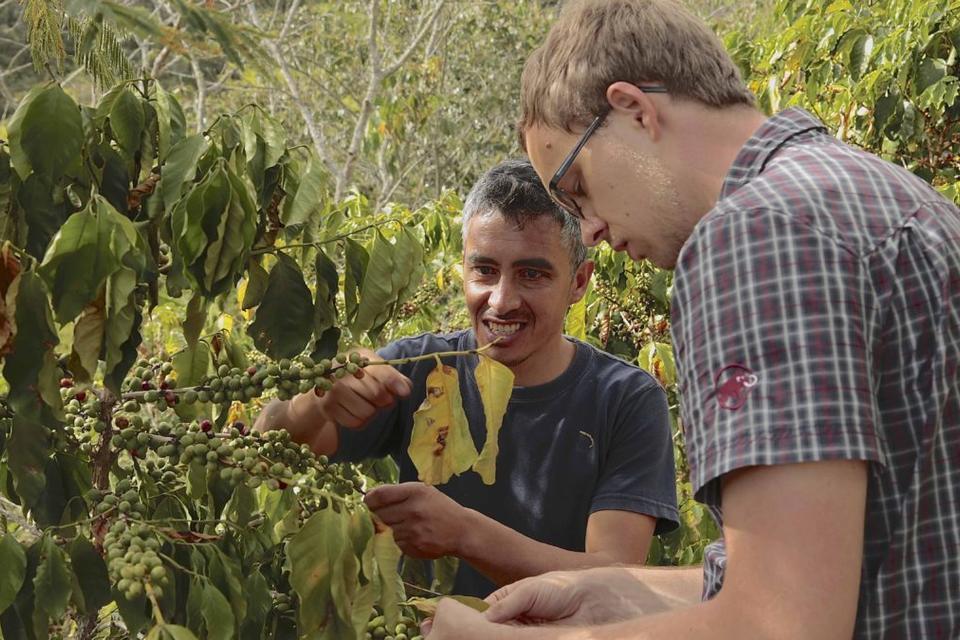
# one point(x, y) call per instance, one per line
point(564, 199)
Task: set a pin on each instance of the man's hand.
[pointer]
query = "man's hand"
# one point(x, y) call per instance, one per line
point(355, 399)
point(351, 402)
point(425, 522)
point(593, 596)
point(455, 621)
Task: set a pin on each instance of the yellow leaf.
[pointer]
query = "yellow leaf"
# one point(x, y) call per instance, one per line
point(428, 606)
point(441, 444)
point(496, 384)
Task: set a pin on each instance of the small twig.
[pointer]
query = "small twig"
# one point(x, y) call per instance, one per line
point(423, 589)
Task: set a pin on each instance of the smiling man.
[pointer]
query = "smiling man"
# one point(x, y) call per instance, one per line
point(585, 472)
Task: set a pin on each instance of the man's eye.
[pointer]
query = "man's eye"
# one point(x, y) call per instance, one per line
point(531, 274)
point(484, 270)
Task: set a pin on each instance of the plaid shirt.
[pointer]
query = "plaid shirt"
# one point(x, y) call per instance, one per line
point(816, 316)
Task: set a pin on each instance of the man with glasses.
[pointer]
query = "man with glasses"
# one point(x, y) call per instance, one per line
point(585, 473)
point(816, 326)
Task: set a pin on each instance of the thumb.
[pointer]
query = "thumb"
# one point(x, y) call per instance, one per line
point(398, 383)
point(510, 602)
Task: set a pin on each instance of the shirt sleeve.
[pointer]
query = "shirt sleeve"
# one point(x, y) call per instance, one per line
point(772, 324)
point(638, 472)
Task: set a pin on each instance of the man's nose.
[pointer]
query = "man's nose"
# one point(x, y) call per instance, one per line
point(504, 297)
point(593, 230)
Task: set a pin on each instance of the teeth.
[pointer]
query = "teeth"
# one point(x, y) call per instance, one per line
point(504, 329)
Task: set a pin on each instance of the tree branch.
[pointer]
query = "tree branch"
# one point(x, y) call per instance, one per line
point(316, 134)
point(417, 38)
point(366, 106)
point(201, 98)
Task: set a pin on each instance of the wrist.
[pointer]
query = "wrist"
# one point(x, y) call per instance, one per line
point(470, 526)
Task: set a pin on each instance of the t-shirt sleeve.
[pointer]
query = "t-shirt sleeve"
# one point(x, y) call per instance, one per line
point(772, 324)
point(638, 472)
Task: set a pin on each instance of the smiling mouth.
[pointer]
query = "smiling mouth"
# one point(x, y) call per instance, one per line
point(503, 329)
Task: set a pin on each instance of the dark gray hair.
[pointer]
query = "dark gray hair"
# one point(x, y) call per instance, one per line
point(513, 190)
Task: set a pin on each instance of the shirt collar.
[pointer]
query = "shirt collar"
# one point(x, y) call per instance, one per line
point(772, 134)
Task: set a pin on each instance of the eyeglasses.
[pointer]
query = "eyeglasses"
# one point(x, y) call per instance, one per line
point(563, 198)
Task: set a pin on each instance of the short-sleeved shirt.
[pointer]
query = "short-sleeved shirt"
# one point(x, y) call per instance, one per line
point(595, 438)
point(816, 316)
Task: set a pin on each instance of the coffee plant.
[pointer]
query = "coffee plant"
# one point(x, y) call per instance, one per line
point(134, 498)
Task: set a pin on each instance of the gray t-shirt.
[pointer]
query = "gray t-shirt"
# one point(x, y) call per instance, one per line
point(595, 438)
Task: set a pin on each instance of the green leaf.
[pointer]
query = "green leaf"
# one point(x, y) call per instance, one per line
point(227, 250)
point(309, 196)
point(170, 632)
point(356, 259)
point(27, 367)
point(192, 364)
point(18, 156)
point(327, 345)
point(127, 350)
point(14, 563)
point(259, 128)
point(283, 324)
point(259, 604)
point(576, 321)
point(123, 322)
point(311, 556)
point(180, 168)
point(127, 121)
point(51, 132)
point(325, 303)
point(929, 72)
point(43, 214)
point(226, 574)
point(388, 555)
point(88, 340)
point(859, 58)
point(195, 319)
point(85, 252)
point(377, 292)
point(91, 573)
point(257, 278)
point(217, 614)
point(199, 211)
point(52, 584)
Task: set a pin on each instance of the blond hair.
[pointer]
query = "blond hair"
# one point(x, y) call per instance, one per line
point(595, 43)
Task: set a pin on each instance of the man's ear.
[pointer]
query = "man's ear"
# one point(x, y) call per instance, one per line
point(581, 279)
point(631, 100)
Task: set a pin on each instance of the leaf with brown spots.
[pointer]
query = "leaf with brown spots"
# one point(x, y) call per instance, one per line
point(441, 445)
point(9, 285)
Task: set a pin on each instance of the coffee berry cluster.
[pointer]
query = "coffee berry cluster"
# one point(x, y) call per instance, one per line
point(378, 629)
point(133, 560)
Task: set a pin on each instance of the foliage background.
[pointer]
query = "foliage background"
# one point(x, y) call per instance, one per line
point(406, 103)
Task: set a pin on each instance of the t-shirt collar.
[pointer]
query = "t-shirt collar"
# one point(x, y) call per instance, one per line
point(765, 141)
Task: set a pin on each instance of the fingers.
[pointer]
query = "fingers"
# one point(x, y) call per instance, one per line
point(389, 494)
point(352, 401)
point(512, 602)
point(390, 379)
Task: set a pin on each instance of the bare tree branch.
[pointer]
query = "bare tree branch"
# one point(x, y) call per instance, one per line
point(377, 75)
point(316, 134)
point(366, 106)
point(415, 42)
point(201, 97)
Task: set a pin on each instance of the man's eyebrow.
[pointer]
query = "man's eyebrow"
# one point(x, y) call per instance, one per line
point(536, 263)
point(476, 258)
